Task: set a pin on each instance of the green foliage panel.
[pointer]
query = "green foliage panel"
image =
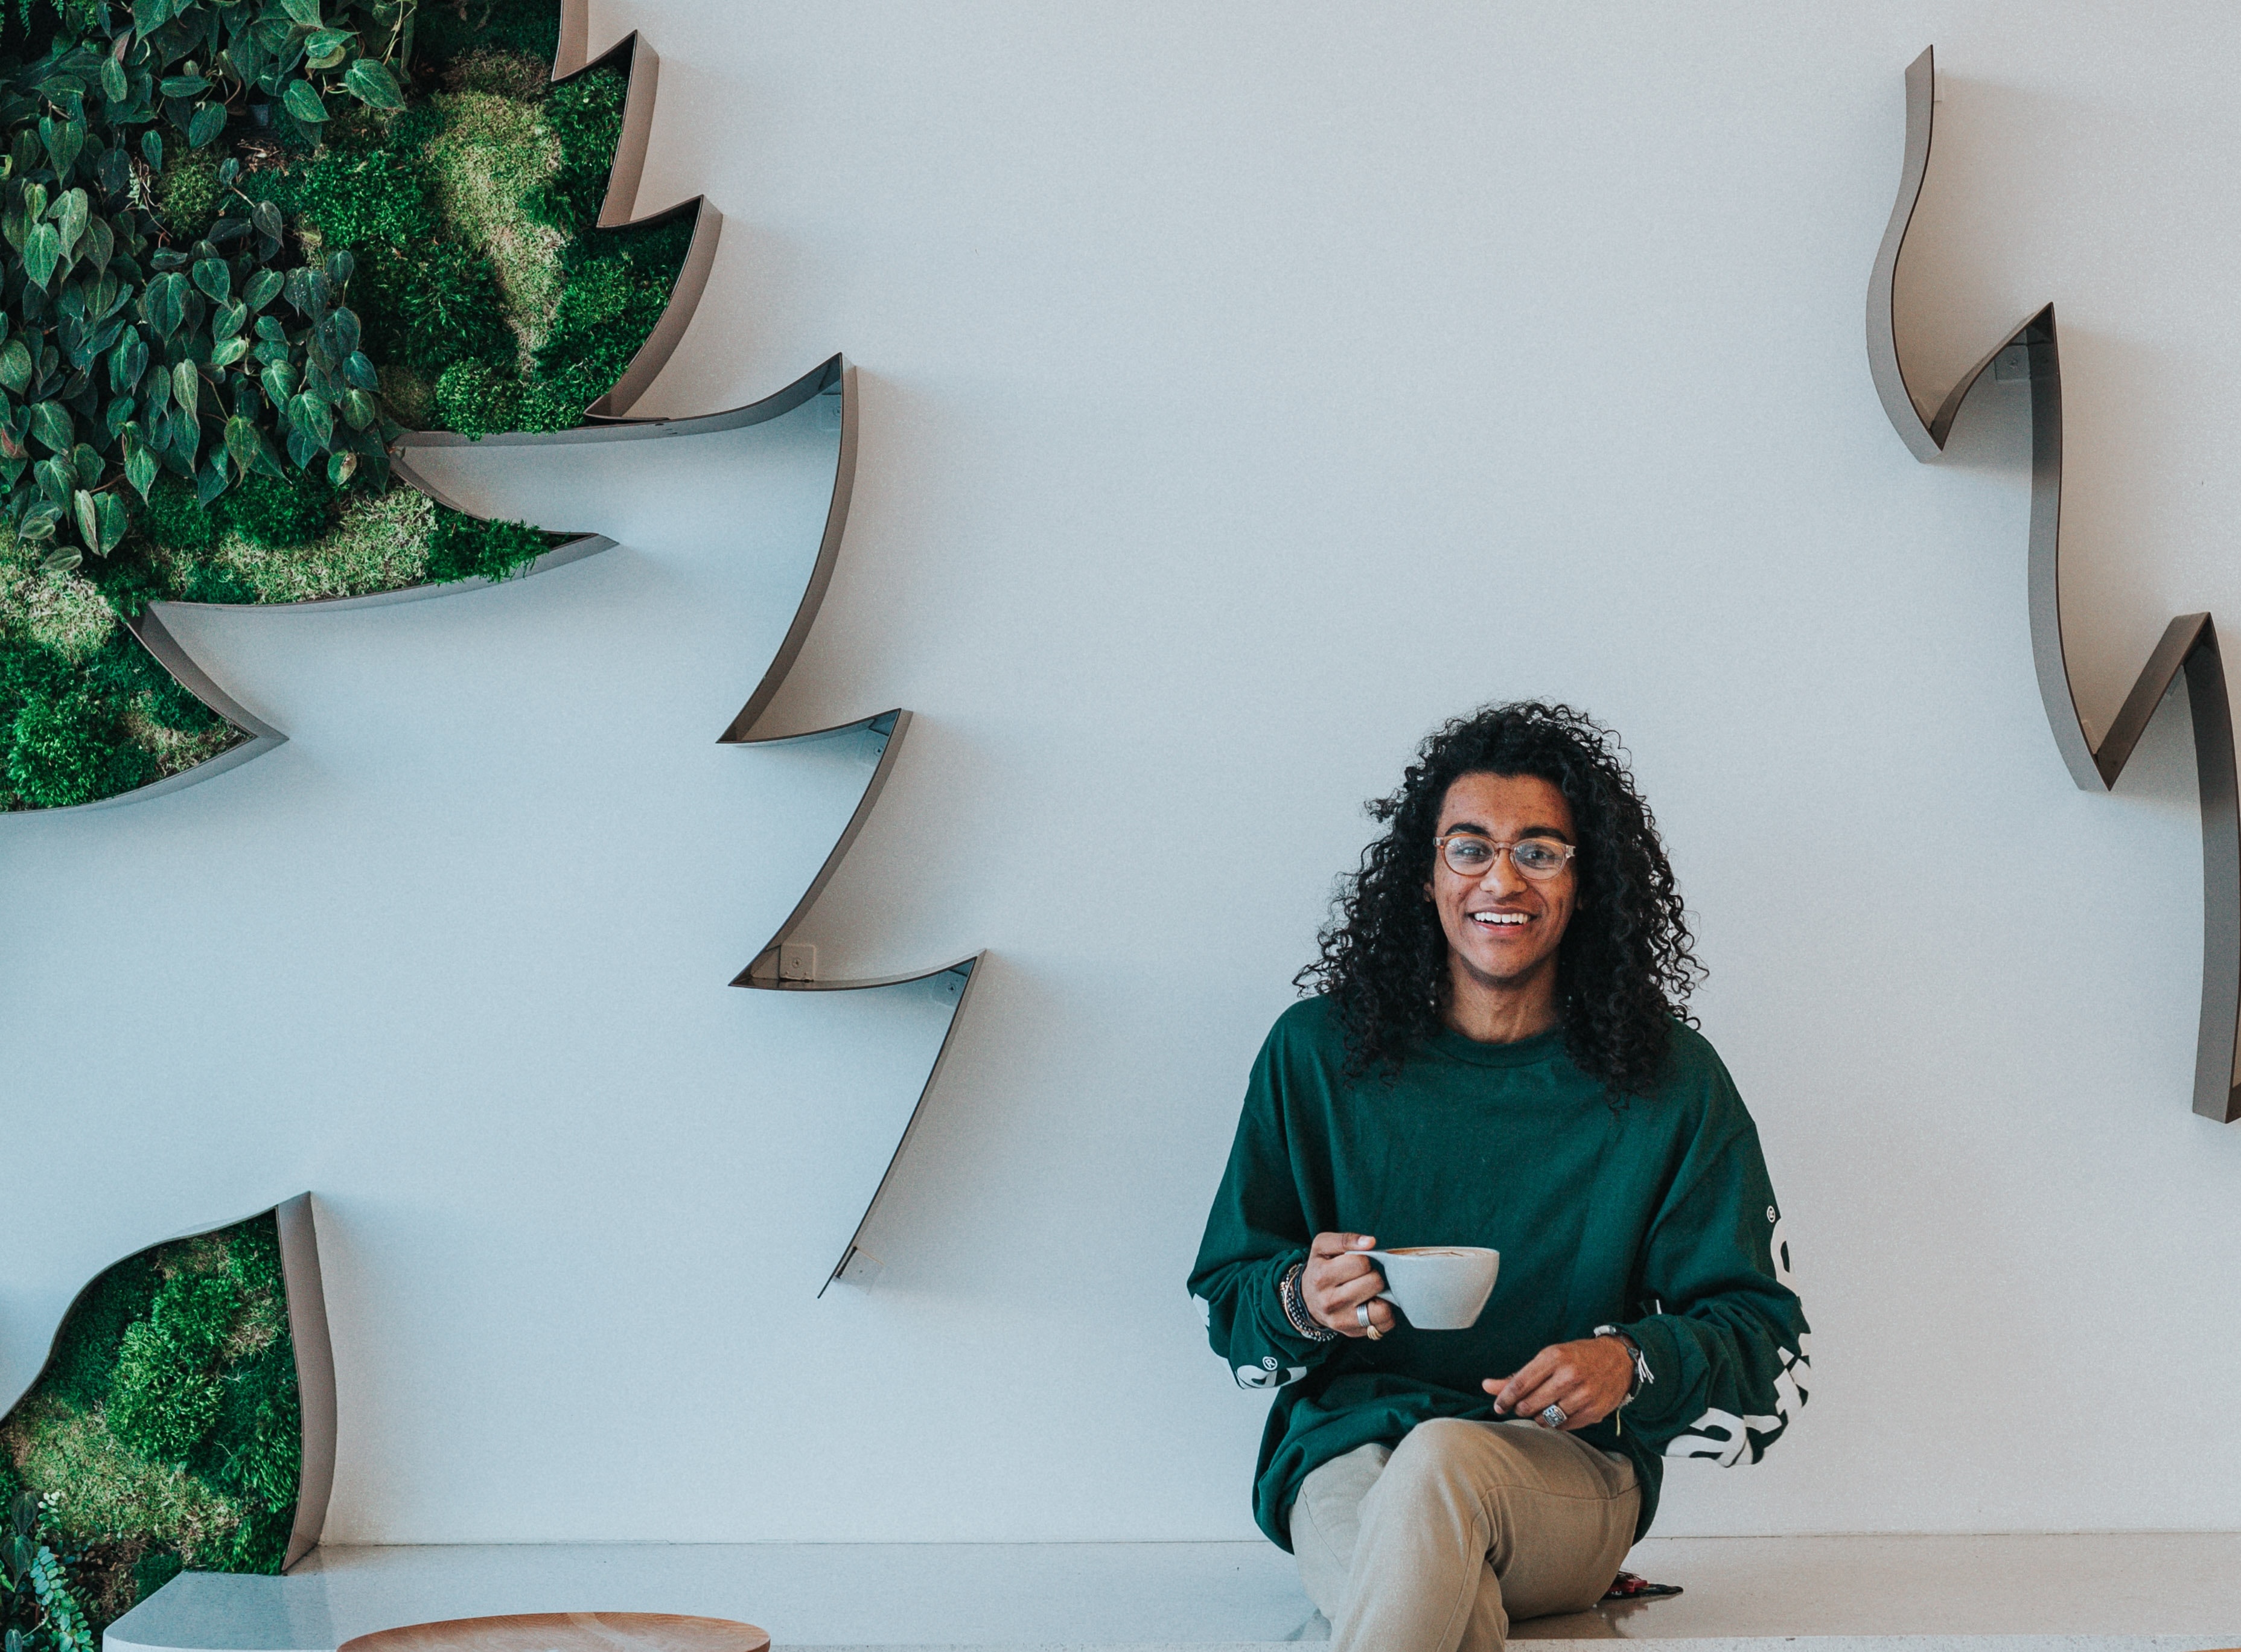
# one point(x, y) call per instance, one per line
point(164, 1434)
point(243, 245)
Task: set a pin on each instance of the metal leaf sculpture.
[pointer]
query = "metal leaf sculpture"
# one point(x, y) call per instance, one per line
point(2187, 654)
point(825, 393)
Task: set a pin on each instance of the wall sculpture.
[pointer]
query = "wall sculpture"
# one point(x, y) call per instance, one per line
point(2188, 653)
point(248, 244)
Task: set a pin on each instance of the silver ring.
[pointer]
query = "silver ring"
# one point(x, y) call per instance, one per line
point(1553, 1417)
point(1361, 1318)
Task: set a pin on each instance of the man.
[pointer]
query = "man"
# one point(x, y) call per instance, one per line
point(1497, 1056)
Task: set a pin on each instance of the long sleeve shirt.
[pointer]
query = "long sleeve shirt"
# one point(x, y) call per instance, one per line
point(1653, 1214)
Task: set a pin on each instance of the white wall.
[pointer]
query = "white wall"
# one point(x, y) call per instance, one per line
point(1246, 387)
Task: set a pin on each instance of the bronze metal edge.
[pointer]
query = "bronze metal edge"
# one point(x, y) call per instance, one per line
point(967, 971)
point(2188, 651)
point(315, 1372)
point(307, 1333)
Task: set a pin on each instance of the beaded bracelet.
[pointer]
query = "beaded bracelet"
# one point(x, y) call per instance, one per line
point(1295, 1306)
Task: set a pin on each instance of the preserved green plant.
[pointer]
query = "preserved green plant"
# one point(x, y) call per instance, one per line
point(243, 245)
point(164, 1433)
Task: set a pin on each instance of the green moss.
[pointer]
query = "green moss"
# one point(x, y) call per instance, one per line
point(102, 1488)
point(278, 512)
point(357, 198)
point(175, 520)
point(475, 399)
point(614, 296)
point(64, 611)
point(491, 158)
point(167, 1429)
point(377, 542)
point(464, 547)
point(585, 118)
point(72, 750)
point(188, 193)
point(445, 32)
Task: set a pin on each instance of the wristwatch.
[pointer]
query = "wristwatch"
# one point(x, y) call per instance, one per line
point(1642, 1372)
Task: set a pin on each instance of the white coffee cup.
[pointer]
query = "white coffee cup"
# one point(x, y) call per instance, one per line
point(1438, 1288)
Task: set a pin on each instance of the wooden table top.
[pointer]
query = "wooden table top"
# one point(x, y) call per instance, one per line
point(568, 1632)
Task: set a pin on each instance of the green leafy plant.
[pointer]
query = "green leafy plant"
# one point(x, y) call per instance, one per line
point(166, 1431)
point(37, 1602)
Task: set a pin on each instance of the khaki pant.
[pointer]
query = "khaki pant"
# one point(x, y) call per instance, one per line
point(1434, 1544)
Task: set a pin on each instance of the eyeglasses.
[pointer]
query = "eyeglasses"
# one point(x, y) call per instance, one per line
point(1469, 855)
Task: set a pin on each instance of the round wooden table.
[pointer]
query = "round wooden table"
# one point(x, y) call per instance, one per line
point(568, 1632)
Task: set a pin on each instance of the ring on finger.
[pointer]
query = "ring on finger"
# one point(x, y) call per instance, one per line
point(1554, 1416)
point(1361, 1318)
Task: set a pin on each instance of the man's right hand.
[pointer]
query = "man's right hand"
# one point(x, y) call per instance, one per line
point(1340, 1279)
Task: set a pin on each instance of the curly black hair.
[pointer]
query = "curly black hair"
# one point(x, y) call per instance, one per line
point(1627, 964)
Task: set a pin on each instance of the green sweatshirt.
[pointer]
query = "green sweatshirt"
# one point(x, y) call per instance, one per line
point(1653, 1214)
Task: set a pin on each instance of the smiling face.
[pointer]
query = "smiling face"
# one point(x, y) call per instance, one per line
point(1502, 927)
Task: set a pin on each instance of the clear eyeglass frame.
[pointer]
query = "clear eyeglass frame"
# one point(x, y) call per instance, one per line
point(1468, 855)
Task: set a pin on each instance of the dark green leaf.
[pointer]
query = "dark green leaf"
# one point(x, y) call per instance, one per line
point(340, 468)
point(227, 351)
point(71, 214)
point(65, 139)
point(100, 247)
point(148, 16)
point(369, 82)
point(151, 148)
point(119, 414)
point(109, 512)
point(214, 278)
point(359, 410)
point(87, 464)
point(232, 316)
point(186, 387)
point(242, 444)
point(207, 122)
point(185, 85)
point(52, 424)
point(83, 510)
point(264, 287)
point(303, 13)
point(209, 481)
point(139, 466)
point(339, 333)
point(280, 381)
point(302, 100)
point(114, 85)
point(266, 217)
point(15, 364)
point(326, 47)
point(62, 559)
point(311, 415)
point(43, 250)
point(307, 290)
point(358, 370)
point(128, 361)
point(341, 265)
point(56, 481)
point(269, 330)
point(166, 303)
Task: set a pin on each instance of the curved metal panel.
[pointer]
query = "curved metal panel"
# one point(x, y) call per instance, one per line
point(314, 1372)
point(2188, 652)
point(957, 978)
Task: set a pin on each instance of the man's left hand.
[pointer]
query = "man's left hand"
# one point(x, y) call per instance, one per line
point(1588, 1380)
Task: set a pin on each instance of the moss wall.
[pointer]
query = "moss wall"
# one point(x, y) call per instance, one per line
point(489, 300)
point(165, 1431)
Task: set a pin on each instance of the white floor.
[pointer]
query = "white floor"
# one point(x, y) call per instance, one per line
point(2107, 1593)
